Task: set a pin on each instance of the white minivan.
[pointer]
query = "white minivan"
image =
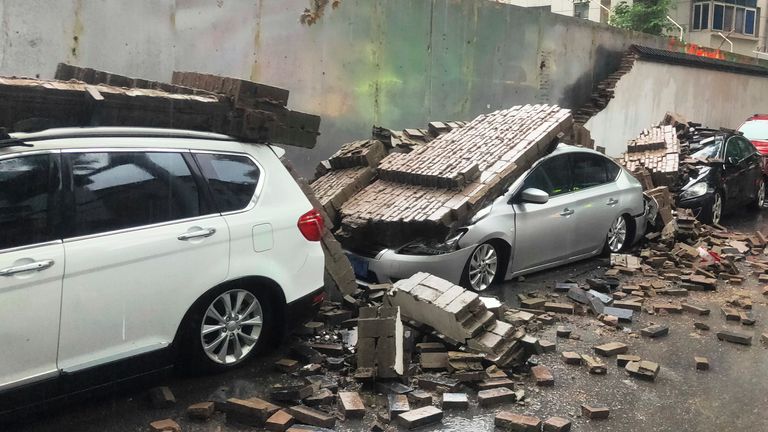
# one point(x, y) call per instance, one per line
point(162, 245)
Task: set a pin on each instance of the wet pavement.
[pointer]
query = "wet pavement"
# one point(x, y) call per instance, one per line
point(730, 396)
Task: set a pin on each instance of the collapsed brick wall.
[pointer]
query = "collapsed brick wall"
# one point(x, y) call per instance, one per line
point(604, 91)
point(439, 184)
point(243, 109)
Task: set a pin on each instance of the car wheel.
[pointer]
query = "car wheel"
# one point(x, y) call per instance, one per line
point(226, 329)
point(716, 212)
point(617, 239)
point(481, 270)
point(759, 200)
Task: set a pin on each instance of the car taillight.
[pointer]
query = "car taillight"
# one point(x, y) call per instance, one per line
point(311, 225)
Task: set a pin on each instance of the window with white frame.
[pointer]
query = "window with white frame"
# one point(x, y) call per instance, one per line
point(736, 16)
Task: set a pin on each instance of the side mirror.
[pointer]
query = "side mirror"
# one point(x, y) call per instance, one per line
point(534, 196)
point(732, 161)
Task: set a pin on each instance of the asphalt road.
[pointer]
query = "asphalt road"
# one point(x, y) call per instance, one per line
point(731, 396)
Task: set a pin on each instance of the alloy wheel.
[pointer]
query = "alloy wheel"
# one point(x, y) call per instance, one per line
point(482, 267)
point(617, 234)
point(231, 326)
point(717, 209)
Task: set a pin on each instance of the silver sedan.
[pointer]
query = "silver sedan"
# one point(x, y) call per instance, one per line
point(572, 204)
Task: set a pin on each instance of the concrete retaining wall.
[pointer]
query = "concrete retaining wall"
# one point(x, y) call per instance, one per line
point(397, 63)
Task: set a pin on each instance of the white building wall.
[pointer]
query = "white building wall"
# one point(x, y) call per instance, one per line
point(650, 89)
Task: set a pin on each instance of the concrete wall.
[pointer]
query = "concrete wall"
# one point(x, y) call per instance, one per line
point(398, 63)
point(649, 90)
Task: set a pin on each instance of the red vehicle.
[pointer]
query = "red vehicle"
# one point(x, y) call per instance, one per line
point(755, 129)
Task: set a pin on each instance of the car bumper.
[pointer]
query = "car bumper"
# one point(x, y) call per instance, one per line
point(302, 310)
point(389, 266)
point(641, 222)
point(700, 205)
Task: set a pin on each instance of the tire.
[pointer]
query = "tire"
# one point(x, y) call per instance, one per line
point(759, 200)
point(482, 269)
point(715, 213)
point(226, 329)
point(618, 237)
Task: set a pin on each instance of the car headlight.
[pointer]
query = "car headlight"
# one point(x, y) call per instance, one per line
point(481, 214)
point(694, 191)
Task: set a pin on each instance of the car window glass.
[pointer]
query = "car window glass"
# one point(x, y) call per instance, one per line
point(232, 179)
point(25, 199)
point(733, 150)
point(121, 190)
point(588, 170)
point(552, 176)
point(746, 148)
point(613, 170)
point(755, 130)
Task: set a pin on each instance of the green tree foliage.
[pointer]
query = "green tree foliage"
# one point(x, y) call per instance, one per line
point(647, 16)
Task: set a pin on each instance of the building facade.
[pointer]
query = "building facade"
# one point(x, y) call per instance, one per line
point(739, 26)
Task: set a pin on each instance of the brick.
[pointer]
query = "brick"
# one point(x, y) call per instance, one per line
point(495, 383)
point(427, 347)
point(746, 318)
point(328, 349)
point(623, 359)
point(250, 412)
point(432, 382)
point(510, 421)
point(311, 416)
point(291, 392)
point(695, 309)
point(702, 363)
point(287, 365)
point(655, 331)
point(557, 424)
point(558, 307)
point(351, 405)
point(563, 332)
point(594, 365)
point(645, 370)
point(631, 305)
point(161, 397)
point(166, 425)
point(420, 417)
point(730, 314)
point(310, 369)
point(533, 303)
point(495, 396)
point(594, 413)
point(570, 357)
point(279, 421)
point(397, 404)
point(611, 349)
point(455, 401)
point(305, 354)
point(419, 398)
point(764, 338)
point(547, 346)
point(543, 376)
point(434, 360)
point(320, 397)
point(201, 411)
point(669, 308)
point(700, 325)
point(736, 337)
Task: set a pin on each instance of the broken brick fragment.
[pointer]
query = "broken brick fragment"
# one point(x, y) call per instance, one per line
point(166, 425)
point(510, 421)
point(594, 413)
point(201, 411)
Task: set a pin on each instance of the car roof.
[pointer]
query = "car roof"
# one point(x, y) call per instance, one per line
point(61, 138)
point(563, 148)
point(758, 117)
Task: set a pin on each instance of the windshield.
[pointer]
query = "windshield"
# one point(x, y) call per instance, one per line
point(755, 130)
point(710, 150)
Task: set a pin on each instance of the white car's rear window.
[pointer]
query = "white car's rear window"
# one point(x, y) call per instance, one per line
point(755, 130)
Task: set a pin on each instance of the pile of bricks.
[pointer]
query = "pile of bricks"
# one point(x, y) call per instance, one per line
point(441, 183)
point(460, 316)
point(657, 150)
point(87, 97)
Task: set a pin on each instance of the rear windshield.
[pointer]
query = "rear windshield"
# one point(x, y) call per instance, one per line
point(755, 130)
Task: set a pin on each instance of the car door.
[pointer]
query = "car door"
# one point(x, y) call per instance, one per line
point(144, 245)
point(31, 267)
point(544, 232)
point(596, 201)
point(751, 169)
point(734, 172)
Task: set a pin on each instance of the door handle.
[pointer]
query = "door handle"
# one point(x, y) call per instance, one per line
point(202, 233)
point(612, 201)
point(33, 266)
point(566, 212)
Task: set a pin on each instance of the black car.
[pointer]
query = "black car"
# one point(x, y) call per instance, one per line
point(728, 173)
